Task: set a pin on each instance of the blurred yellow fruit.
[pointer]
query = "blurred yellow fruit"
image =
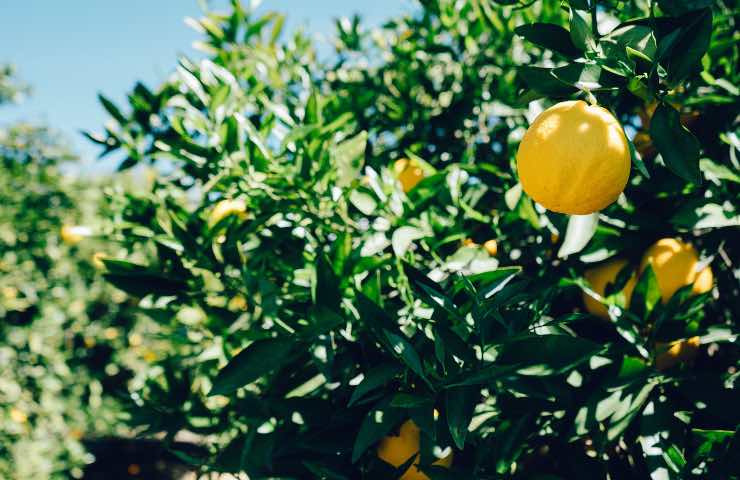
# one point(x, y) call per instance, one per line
point(74, 234)
point(673, 353)
point(10, 292)
point(468, 242)
point(574, 158)
point(97, 260)
point(149, 356)
point(408, 172)
point(225, 208)
point(674, 263)
point(134, 469)
point(601, 276)
point(110, 333)
point(18, 416)
point(398, 449)
point(237, 303)
point(135, 339)
point(491, 247)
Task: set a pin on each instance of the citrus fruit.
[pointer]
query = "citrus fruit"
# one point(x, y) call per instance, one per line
point(491, 247)
point(675, 265)
point(398, 449)
point(408, 172)
point(601, 276)
point(74, 234)
point(574, 158)
point(225, 208)
point(97, 260)
point(673, 353)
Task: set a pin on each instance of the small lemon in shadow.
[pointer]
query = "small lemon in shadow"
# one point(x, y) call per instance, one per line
point(601, 276)
point(675, 265)
point(397, 449)
point(408, 172)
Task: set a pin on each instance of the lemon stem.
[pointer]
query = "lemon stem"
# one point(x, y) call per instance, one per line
point(590, 97)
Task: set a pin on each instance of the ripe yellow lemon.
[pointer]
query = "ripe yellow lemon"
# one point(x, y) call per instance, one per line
point(398, 449)
point(673, 353)
point(491, 247)
point(225, 208)
point(601, 276)
point(408, 172)
point(674, 263)
point(574, 158)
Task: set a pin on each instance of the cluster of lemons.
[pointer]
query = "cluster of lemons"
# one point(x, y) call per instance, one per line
point(676, 264)
point(575, 159)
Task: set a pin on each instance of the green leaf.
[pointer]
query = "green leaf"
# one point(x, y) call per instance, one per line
point(715, 171)
point(377, 424)
point(430, 291)
point(405, 351)
point(681, 7)
point(580, 30)
point(326, 291)
point(582, 75)
point(579, 232)
point(348, 158)
point(363, 201)
point(550, 36)
point(637, 159)
point(701, 214)
point(141, 280)
point(646, 293)
point(403, 237)
point(408, 400)
point(542, 81)
point(112, 109)
point(257, 359)
point(685, 57)
point(539, 355)
point(676, 144)
point(374, 379)
point(460, 404)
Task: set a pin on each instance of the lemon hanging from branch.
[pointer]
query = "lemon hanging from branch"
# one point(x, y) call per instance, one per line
point(574, 158)
point(676, 264)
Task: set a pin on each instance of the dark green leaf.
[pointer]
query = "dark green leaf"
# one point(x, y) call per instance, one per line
point(678, 147)
point(377, 424)
point(550, 36)
point(460, 404)
point(259, 358)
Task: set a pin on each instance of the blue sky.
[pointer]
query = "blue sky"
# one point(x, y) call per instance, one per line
point(68, 51)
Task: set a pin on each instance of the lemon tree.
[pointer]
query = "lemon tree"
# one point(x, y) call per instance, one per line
point(337, 249)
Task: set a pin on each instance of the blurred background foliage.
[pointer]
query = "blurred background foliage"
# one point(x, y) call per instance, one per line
point(326, 248)
point(69, 340)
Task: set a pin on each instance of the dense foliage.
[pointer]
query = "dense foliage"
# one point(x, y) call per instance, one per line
point(314, 297)
point(64, 333)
